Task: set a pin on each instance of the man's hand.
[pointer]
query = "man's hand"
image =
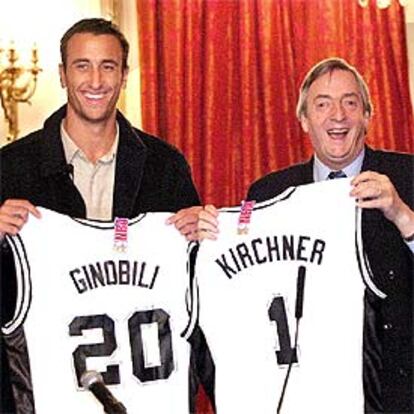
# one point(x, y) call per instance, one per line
point(196, 223)
point(14, 214)
point(185, 221)
point(208, 223)
point(374, 190)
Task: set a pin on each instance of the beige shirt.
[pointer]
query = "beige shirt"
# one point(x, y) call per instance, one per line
point(96, 181)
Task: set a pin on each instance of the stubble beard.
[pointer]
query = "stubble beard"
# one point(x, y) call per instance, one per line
point(82, 113)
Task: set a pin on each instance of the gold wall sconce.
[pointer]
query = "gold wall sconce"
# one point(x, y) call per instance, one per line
point(17, 85)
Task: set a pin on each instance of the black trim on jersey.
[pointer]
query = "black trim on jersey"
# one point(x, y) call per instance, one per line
point(264, 204)
point(202, 371)
point(106, 224)
point(192, 297)
point(372, 365)
point(25, 287)
point(362, 258)
point(281, 197)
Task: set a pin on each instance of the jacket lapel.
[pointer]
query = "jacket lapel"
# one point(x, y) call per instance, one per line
point(59, 189)
point(370, 162)
point(370, 217)
point(307, 172)
point(130, 160)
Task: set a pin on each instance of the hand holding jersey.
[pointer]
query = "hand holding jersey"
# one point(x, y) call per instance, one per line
point(115, 305)
point(334, 109)
point(374, 190)
point(247, 292)
point(186, 222)
point(14, 214)
point(370, 190)
point(208, 225)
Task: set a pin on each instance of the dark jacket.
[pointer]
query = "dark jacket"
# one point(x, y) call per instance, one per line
point(388, 381)
point(150, 175)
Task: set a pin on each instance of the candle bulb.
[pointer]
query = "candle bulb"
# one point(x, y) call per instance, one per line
point(12, 53)
point(34, 54)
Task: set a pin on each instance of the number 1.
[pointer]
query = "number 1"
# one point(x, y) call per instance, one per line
point(277, 313)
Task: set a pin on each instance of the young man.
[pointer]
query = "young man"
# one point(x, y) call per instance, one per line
point(334, 108)
point(88, 161)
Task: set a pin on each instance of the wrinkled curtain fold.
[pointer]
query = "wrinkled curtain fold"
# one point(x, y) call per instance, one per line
point(220, 80)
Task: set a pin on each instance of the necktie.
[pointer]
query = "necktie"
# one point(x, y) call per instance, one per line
point(336, 174)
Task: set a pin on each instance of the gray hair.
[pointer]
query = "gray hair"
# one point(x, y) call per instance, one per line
point(328, 66)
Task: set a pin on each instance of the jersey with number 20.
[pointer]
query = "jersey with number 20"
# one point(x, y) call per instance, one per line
point(105, 297)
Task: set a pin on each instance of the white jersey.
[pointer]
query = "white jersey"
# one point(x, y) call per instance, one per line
point(247, 282)
point(105, 297)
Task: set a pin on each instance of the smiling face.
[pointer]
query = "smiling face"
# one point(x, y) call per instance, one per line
point(335, 119)
point(93, 77)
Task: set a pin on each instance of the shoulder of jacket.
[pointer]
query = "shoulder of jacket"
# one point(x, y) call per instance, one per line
point(281, 175)
point(22, 145)
point(158, 147)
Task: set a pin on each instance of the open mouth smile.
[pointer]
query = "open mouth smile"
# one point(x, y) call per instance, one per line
point(338, 133)
point(94, 97)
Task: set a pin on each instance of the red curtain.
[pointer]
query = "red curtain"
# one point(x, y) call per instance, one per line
point(220, 80)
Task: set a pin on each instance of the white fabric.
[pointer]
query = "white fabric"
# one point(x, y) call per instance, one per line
point(150, 278)
point(239, 281)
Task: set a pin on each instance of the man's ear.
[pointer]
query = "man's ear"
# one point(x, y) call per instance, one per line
point(367, 119)
point(304, 123)
point(62, 75)
point(125, 77)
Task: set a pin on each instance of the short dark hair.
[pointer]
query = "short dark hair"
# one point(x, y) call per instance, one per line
point(328, 66)
point(96, 26)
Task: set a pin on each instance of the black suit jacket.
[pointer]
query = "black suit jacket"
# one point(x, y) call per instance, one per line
point(388, 380)
point(150, 175)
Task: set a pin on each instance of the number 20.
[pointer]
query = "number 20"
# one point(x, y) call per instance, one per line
point(108, 346)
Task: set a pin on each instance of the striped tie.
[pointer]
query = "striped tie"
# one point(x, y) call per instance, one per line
point(336, 174)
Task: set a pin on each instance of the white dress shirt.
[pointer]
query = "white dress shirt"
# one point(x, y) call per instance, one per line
point(95, 181)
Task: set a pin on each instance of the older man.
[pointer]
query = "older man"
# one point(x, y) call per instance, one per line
point(334, 108)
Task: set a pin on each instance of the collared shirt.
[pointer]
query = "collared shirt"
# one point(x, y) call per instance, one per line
point(321, 171)
point(95, 181)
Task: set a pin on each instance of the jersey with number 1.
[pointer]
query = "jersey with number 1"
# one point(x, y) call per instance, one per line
point(247, 293)
point(105, 297)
